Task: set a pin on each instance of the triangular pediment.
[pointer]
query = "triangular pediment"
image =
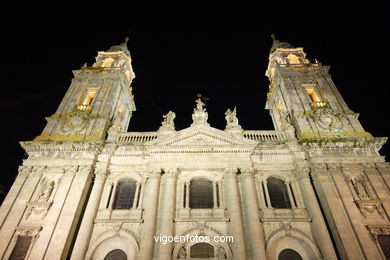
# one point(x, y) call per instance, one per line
point(202, 135)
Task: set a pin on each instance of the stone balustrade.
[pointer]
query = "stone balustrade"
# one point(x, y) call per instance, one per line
point(264, 136)
point(136, 137)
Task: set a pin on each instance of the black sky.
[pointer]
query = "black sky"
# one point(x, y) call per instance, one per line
point(173, 64)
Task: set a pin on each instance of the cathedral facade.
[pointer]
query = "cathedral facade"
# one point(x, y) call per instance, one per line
point(316, 187)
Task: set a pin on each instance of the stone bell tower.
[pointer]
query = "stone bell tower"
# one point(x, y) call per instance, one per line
point(99, 100)
point(349, 176)
point(41, 213)
point(303, 95)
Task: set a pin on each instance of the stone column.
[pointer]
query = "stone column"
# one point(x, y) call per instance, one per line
point(13, 192)
point(30, 181)
point(72, 208)
point(318, 226)
point(168, 212)
point(51, 219)
point(215, 194)
point(254, 227)
point(150, 216)
point(269, 205)
point(135, 201)
point(259, 183)
point(290, 195)
point(187, 195)
point(235, 210)
point(86, 227)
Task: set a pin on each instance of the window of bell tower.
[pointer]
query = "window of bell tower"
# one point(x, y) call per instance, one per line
point(89, 97)
point(293, 59)
point(313, 94)
point(108, 62)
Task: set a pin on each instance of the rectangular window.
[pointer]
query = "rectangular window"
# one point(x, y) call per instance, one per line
point(21, 248)
point(313, 94)
point(384, 241)
point(89, 97)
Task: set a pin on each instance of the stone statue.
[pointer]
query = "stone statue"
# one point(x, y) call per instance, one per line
point(182, 253)
point(360, 189)
point(232, 121)
point(231, 118)
point(199, 116)
point(200, 105)
point(167, 125)
point(222, 253)
point(46, 192)
point(168, 119)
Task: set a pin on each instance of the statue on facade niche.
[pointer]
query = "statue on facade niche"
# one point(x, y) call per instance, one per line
point(360, 189)
point(46, 191)
point(182, 253)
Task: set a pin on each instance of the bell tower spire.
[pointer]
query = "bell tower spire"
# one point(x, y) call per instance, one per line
point(302, 96)
point(98, 102)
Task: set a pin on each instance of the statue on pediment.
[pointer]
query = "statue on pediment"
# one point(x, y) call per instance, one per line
point(168, 124)
point(232, 120)
point(168, 119)
point(199, 116)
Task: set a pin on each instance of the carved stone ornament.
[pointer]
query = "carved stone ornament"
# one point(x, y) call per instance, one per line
point(182, 253)
point(376, 230)
point(370, 206)
point(38, 209)
point(74, 122)
point(326, 119)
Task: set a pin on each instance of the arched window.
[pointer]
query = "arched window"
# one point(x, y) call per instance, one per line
point(202, 250)
point(125, 192)
point(293, 59)
point(108, 62)
point(201, 194)
point(289, 254)
point(116, 254)
point(278, 193)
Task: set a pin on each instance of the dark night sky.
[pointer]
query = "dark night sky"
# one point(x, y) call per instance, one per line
point(173, 64)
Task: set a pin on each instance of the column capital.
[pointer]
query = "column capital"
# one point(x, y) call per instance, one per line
point(171, 172)
point(231, 171)
point(247, 172)
point(154, 173)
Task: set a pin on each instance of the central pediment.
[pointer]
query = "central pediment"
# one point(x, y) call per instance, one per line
point(201, 135)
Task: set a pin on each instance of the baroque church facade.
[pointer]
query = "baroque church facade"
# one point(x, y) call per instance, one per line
point(316, 187)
